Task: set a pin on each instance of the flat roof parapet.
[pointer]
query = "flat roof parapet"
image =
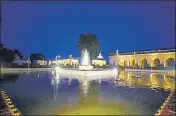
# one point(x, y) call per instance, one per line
point(163, 50)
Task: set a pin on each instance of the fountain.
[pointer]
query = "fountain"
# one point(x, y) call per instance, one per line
point(85, 69)
point(85, 61)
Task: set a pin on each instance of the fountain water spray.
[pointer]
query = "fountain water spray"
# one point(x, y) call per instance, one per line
point(85, 61)
point(85, 58)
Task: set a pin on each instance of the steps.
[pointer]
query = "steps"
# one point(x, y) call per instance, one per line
point(6, 106)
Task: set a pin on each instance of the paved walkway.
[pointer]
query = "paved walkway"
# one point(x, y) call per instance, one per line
point(4, 109)
point(168, 108)
point(6, 106)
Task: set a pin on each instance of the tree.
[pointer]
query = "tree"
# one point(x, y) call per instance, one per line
point(7, 55)
point(36, 56)
point(18, 53)
point(89, 42)
point(1, 46)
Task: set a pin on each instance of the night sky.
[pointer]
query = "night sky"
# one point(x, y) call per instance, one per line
point(53, 28)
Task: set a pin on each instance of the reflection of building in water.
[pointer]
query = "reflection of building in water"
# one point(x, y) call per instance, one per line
point(55, 82)
point(130, 78)
point(144, 81)
point(154, 80)
point(122, 75)
point(169, 83)
point(130, 75)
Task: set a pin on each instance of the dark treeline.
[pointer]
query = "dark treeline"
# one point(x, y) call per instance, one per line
point(90, 42)
point(7, 56)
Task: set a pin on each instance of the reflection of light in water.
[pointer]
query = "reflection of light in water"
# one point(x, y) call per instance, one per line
point(52, 81)
point(130, 75)
point(85, 87)
point(57, 75)
point(151, 80)
point(154, 80)
point(69, 80)
point(52, 72)
point(55, 82)
point(130, 78)
point(144, 81)
point(169, 83)
point(99, 81)
point(38, 75)
point(122, 75)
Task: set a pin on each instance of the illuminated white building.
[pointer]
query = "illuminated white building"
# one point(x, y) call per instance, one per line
point(99, 61)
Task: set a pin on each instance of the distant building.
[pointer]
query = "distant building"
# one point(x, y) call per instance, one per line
point(99, 61)
point(71, 61)
point(18, 61)
point(40, 62)
point(66, 61)
point(50, 62)
point(153, 58)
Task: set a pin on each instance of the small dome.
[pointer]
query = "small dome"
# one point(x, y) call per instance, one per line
point(70, 56)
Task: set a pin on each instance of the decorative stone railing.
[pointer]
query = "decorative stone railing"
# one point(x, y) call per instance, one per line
point(6, 70)
point(11, 108)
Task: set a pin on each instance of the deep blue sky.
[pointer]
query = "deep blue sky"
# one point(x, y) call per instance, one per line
point(53, 28)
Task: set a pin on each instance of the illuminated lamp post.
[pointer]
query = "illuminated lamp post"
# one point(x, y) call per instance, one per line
point(28, 64)
point(43, 61)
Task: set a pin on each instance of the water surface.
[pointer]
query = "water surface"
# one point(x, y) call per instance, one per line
point(44, 93)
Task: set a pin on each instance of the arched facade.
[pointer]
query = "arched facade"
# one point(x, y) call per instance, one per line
point(169, 61)
point(68, 61)
point(143, 60)
point(142, 63)
point(99, 62)
point(123, 63)
point(155, 62)
point(132, 62)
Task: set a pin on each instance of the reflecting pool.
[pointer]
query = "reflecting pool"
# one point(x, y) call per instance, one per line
point(47, 93)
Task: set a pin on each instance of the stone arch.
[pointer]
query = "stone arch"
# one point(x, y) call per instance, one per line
point(142, 63)
point(123, 63)
point(132, 62)
point(169, 62)
point(155, 62)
